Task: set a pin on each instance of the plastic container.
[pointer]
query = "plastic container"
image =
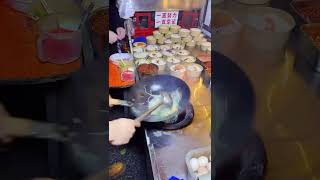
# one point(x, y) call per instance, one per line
point(178, 70)
point(194, 71)
point(119, 58)
point(56, 44)
point(264, 39)
point(196, 153)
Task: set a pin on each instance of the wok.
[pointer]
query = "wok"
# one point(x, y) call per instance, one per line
point(154, 85)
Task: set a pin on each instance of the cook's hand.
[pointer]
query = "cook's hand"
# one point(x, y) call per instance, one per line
point(12, 127)
point(122, 130)
point(113, 37)
point(121, 33)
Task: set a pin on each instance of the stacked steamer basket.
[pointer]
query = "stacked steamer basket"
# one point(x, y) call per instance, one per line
point(170, 48)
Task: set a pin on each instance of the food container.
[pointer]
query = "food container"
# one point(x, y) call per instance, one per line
point(226, 31)
point(268, 28)
point(141, 61)
point(137, 49)
point(168, 35)
point(177, 47)
point(309, 48)
point(127, 75)
point(140, 44)
point(187, 39)
point(163, 29)
point(190, 45)
point(161, 63)
point(155, 55)
point(168, 42)
point(145, 70)
point(161, 41)
point(175, 38)
point(165, 47)
point(167, 53)
point(174, 28)
point(184, 32)
point(195, 32)
point(205, 46)
point(178, 70)
point(196, 153)
point(118, 59)
point(152, 48)
point(151, 40)
point(183, 53)
point(194, 71)
point(140, 55)
point(172, 61)
point(157, 34)
point(188, 59)
point(56, 44)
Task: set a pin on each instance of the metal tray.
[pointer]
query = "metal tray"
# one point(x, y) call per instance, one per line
point(308, 49)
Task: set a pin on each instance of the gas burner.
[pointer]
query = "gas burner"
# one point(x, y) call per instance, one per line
point(184, 119)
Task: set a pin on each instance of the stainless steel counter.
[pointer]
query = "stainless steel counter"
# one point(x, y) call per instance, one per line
point(168, 148)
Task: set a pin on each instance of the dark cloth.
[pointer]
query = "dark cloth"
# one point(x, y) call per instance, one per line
point(115, 20)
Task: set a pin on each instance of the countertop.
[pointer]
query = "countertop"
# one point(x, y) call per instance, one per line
point(168, 149)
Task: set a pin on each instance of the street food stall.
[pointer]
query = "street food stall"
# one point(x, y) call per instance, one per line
point(169, 56)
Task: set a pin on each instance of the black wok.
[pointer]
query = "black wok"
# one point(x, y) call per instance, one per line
point(140, 92)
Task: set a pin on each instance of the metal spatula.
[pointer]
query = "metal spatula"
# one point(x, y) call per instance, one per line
point(165, 100)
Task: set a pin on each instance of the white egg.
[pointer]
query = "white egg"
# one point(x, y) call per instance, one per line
point(194, 164)
point(209, 166)
point(203, 161)
point(202, 171)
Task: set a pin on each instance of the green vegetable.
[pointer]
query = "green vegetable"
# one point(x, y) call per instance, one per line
point(123, 152)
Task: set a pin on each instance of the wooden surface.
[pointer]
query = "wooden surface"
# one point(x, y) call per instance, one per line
point(18, 52)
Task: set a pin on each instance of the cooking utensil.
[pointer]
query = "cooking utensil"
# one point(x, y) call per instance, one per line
point(154, 86)
point(119, 102)
point(147, 113)
point(166, 100)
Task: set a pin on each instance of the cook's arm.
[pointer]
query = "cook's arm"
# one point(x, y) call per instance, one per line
point(12, 127)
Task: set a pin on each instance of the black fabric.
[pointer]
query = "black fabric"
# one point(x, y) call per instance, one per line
point(115, 20)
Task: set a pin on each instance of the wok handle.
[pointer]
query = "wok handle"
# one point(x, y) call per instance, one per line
point(147, 113)
point(113, 102)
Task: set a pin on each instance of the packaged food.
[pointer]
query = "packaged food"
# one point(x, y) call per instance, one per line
point(174, 28)
point(163, 29)
point(151, 40)
point(184, 32)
